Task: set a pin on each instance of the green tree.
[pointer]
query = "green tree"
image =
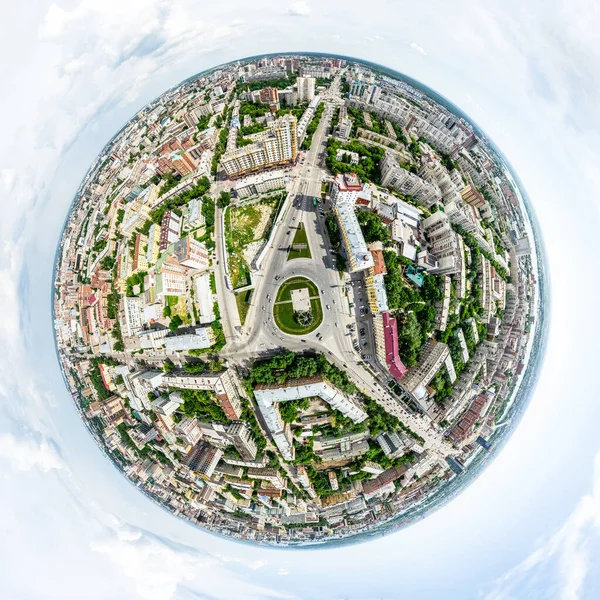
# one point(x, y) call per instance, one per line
point(175, 322)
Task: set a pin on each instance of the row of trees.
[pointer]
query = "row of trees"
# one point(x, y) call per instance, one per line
point(175, 202)
point(372, 227)
point(253, 110)
point(368, 166)
point(288, 365)
point(312, 126)
point(280, 83)
point(202, 405)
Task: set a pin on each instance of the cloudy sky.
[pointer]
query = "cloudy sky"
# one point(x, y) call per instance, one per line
point(72, 73)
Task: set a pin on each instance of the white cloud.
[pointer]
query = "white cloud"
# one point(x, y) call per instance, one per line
point(564, 559)
point(299, 9)
point(418, 48)
point(91, 56)
point(160, 568)
point(26, 454)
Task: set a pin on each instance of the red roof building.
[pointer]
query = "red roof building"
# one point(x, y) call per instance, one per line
point(379, 263)
point(392, 358)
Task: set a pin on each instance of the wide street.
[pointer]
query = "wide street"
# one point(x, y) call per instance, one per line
point(261, 337)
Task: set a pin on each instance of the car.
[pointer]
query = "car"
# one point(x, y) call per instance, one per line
point(263, 308)
point(362, 331)
point(333, 301)
point(328, 307)
point(303, 341)
point(336, 324)
point(368, 357)
point(322, 291)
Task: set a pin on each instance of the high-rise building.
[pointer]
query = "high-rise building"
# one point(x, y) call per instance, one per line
point(345, 191)
point(306, 88)
point(241, 437)
point(203, 458)
point(170, 277)
point(191, 253)
point(434, 356)
point(444, 254)
point(276, 146)
point(170, 227)
point(407, 183)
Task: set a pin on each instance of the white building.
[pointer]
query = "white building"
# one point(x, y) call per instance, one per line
point(306, 88)
point(202, 338)
point(345, 191)
point(260, 184)
point(407, 183)
point(204, 299)
point(278, 145)
point(134, 314)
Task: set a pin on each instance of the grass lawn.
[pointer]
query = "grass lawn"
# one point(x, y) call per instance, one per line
point(283, 313)
point(300, 238)
point(284, 293)
point(283, 310)
point(172, 300)
point(242, 299)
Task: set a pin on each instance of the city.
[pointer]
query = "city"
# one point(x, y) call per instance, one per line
point(294, 297)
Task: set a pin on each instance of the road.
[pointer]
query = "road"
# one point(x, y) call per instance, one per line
point(260, 336)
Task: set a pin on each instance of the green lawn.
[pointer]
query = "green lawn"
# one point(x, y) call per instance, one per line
point(242, 299)
point(283, 314)
point(300, 238)
point(283, 311)
point(284, 293)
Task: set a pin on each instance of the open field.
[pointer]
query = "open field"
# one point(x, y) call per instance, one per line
point(300, 238)
point(246, 225)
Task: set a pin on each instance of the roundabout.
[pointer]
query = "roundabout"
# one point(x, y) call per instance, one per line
point(297, 309)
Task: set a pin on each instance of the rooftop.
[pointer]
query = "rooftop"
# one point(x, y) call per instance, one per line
point(348, 182)
point(392, 358)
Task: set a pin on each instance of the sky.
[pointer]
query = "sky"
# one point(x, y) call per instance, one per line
point(72, 73)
